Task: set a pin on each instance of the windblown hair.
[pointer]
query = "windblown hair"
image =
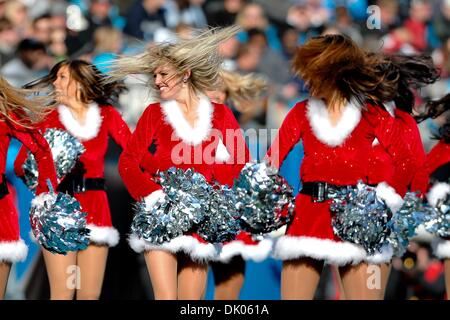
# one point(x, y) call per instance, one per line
point(336, 69)
point(22, 107)
point(444, 131)
point(199, 55)
point(91, 80)
point(242, 88)
point(412, 72)
point(435, 108)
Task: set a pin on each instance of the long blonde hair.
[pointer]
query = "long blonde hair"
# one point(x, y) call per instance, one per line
point(242, 88)
point(199, 55)
point(22, 106)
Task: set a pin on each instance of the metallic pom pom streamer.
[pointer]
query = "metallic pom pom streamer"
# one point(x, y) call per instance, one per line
point(405, 221)
point(264, 198)
point(58, 223)
point(221, 223)
point(360, 217)
point(66, 150)
point(184, 205)
point(438, 218)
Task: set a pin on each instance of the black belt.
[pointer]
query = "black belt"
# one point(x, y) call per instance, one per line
point(3, 187)
point(321, 191)
point(77, 184)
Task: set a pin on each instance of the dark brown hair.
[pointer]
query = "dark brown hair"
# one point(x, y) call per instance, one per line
point(334, 67)
point(412, 72)
point(93, 86)
point(434, 109)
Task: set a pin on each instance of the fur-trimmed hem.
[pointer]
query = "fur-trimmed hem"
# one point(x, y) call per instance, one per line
point(83, 132)
point(14, 251)
point(388, 194)
point(324, 131)
point(333, 252)
point(385, 256)
point(201, 252)
point(103, 235)
point(256, 252)
point(438, 192)
point(441, 248)
point(191, 135)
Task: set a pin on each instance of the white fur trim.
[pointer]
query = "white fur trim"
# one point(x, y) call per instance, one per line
point(196, 250)
point(385, 256)
point(103, 235)
point(13, 251)
point(441, 248)
point(278, 233)
point(222, 153)
point(375, 142)
point(321, 126)
point(153, 198)
point(333, 252)
point(256, 252)
point(438, 192)
point(83, 132)
point(192, 135)
point(388, 194)
point(390, 107)
point(42, 198)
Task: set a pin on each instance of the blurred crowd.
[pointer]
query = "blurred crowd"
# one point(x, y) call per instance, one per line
point(35, 34)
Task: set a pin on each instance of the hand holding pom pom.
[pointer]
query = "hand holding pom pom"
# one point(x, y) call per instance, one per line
point(66, 151)
point(360, 217)
point(57, 222)
point(167, 214)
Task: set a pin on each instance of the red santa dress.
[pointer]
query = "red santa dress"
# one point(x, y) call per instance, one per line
point(102, 121)
point(12, 247)
point(337, 155)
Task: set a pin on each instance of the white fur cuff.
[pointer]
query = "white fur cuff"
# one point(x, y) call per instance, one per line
point(153, 198)
point(392, 199)
point(438, 192)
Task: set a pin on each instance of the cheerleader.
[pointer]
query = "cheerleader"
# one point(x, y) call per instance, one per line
point(84, 112)
point(435, 173)
point(18, 116)
point(243, 92)
point(410, 72)
point(177, 132)
point(337, 126)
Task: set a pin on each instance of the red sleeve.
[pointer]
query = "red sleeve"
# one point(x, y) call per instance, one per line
point(417, 149)
point(117, 127)
point(390, 132)
point(138, 182)
point(20, 160)
point(289, 134)
point(438, 156)
point(234, 142)
point(38, 146)
point(23, 152)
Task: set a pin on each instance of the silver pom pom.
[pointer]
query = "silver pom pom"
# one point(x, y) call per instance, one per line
point(438, 218)
point(405, 221)
point(58, 223)
point(184, 205)
point(221, 223)
point(66, 150)
point(264, 198)
point(360, 217)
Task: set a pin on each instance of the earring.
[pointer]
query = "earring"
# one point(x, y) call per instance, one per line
point(185, 80)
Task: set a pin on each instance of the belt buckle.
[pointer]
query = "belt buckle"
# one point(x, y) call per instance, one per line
point(79, 185)
point(321, 196)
